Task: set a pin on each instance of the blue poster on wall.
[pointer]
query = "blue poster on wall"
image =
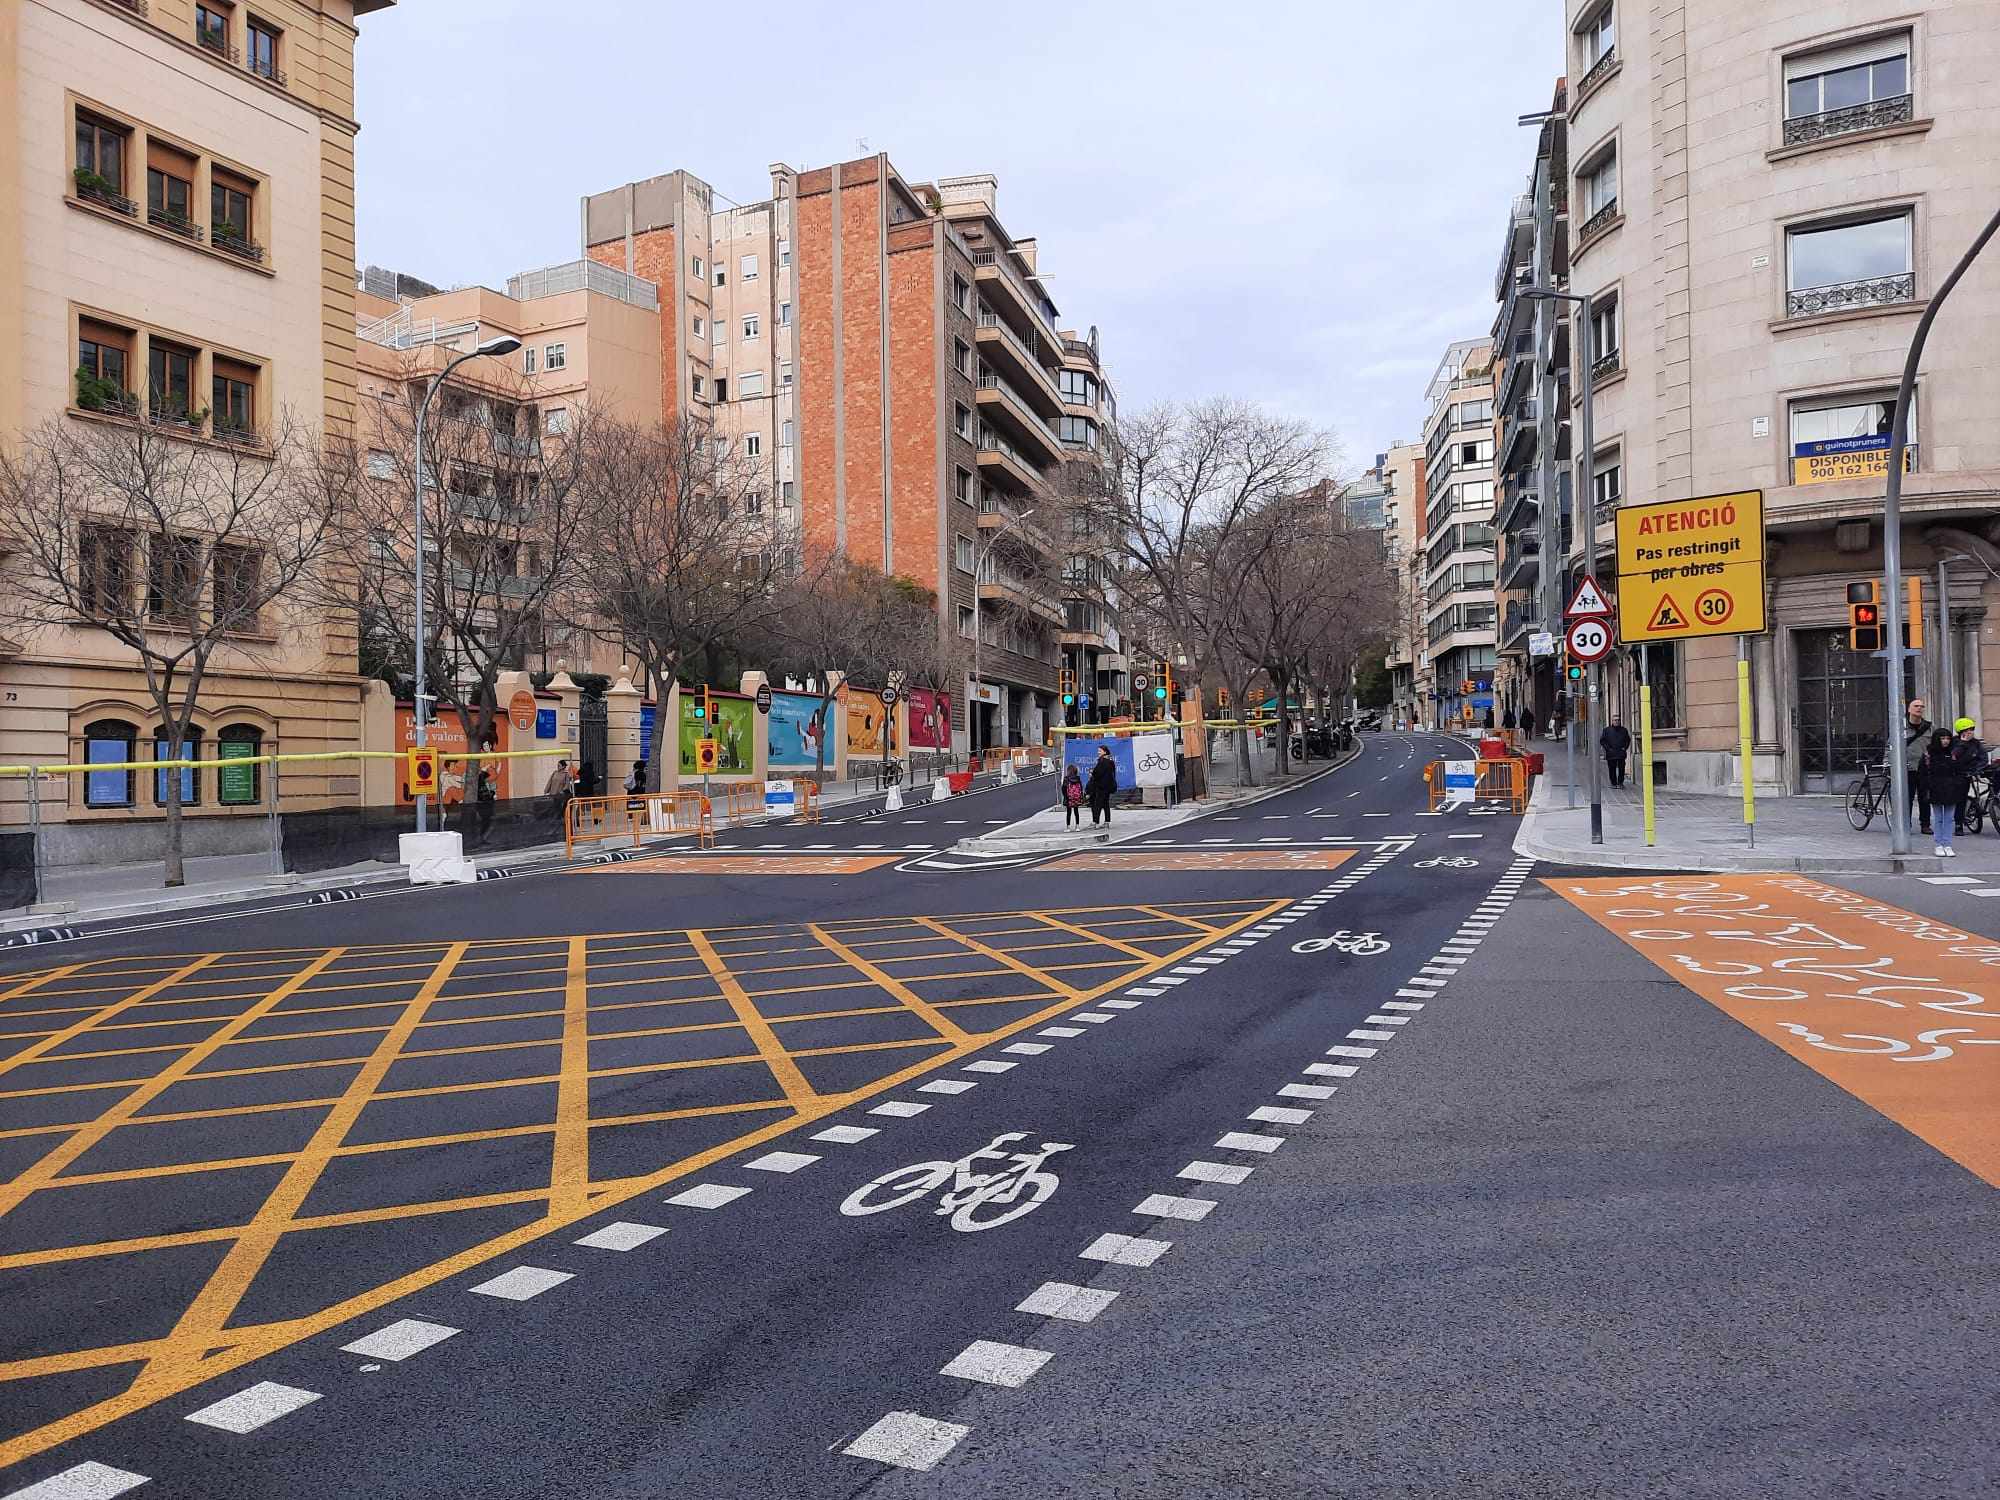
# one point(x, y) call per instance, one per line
point(1082, 753)
point(797, 730)
point(545, 723)
point(648, 714)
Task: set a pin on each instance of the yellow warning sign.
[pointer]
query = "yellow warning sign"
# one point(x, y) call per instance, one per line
point(1691, 567)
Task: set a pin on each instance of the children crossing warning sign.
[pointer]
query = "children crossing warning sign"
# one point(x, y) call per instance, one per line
point(1709, 550)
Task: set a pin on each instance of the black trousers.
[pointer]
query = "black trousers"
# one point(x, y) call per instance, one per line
point(1920, 800)
point(1615, 764)
point(1099, 811)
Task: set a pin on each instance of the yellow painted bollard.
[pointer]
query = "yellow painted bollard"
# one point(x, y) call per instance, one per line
point(1646, 755)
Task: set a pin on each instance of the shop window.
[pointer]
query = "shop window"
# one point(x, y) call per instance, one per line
point(190, 779)
point(104, 742)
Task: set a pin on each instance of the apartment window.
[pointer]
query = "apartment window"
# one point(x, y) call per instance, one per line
point(1857, 87)
point(1079, 432)
point(1600, 35)
point(104, 569)
point(784, 252)
point(1861, 263)
point(961, 294)
point(170, 188)
point(721, 447)
point(788, 491)
point(261, 48)
point(721, 388)
point(108, 741)
point(700, 388)
point(1598, 188)
point(173, 577)
point(239, 786)
point(746, 267)
point(1603, 352)
point(784, 315)
point(555, 357)
point(785, 434)
point(234, 405)
point(211, 28)
point(1607, 484)
point(753, 445)
point(961, 419)
point(700, 270)
point(1479, 452)
point(555, 421)
point(1475, 493)
point(237, 584)
point(700, 326)
point(750, 383)
point(721, 277)
point(1079, 388)
point(753, 503)
point(753, 325)
point(964, 554)
point(961, 356)
point(785, 373)
point(964, 625)
point(190, 750)
point(103, 356)
point(100, 157)
point(1848, 421)
point(170, 377)
point(961, 485)
point(381, 465)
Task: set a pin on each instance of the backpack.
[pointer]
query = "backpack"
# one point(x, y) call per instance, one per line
point(1073, 793)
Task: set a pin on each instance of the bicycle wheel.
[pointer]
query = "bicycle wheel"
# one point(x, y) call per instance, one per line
point(1034, 1189)
point(1860, 805)
point(1975, 813)
point(904, 1185)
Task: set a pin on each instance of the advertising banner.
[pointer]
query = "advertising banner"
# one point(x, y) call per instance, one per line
point(1082, 753)
point(1834, 459)
point(930, 720)
point(866, 718)
point(796, 731)
point(446, 735)
point(733, 731)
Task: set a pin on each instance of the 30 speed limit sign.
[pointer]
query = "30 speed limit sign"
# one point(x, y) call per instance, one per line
point(1589, 640)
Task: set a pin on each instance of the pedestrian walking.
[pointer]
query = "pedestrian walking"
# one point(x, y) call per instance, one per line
point(1916, 733)
point(586, 779)
point(635, 783)
point(559, 788)
point(484, 798)
point(1102, 784)
point(1948, 771)
point(1072, 798)
point(1527, 723)
point(1616, 743)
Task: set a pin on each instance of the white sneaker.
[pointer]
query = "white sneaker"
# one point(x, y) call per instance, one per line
point(1951, 854)
point(1939, 850)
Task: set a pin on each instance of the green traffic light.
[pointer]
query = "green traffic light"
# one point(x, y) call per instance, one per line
point(1159, 693)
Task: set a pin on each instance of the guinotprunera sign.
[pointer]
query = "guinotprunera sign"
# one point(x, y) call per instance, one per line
point(1691, 568)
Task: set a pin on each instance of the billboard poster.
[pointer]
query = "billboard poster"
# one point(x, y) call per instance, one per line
point(1082, 753)
point(865, 720)
point(930, 720)
point(734, 732)
point(446, 734)
point(796, 730)
point(1834, 459)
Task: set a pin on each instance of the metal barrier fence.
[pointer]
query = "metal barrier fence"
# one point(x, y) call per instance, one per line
point(591, 820)
point(1504, 782)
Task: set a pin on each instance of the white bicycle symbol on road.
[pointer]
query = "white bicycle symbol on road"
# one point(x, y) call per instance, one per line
point(1361, 944)
point(976, 1200)
point(1446, 862)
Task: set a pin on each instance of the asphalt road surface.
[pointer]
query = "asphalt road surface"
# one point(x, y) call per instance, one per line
point(1317, 1147)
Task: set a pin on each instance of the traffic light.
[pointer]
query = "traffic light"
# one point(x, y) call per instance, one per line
point(1222, 697)
point(1913, 612)
point(704, 711)
point(1066, 682)
point(1864, 616)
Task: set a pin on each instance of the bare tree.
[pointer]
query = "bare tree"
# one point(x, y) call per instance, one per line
point(511, 515)
point(182, 551)
point(686, 554)
point(836, 621)
point(1176, 509)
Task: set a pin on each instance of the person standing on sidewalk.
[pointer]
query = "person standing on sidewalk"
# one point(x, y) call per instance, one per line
point(1101, 787)
point(1527, 724)
point(1072, 798)
point(485, 796)
point(1916, 730)
point(1616, 743)
point(1947, 771)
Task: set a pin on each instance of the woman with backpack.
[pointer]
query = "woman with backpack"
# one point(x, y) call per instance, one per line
point(1950, 763)
point(1072, 798)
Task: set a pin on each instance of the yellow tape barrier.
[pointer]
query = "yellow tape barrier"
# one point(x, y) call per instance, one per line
point(287, 758)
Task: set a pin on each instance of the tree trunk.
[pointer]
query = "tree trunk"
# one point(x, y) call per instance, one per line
point(176, 873)
point(1281, 681)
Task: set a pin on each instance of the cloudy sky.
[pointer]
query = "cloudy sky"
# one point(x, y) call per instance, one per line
point(1297, 202)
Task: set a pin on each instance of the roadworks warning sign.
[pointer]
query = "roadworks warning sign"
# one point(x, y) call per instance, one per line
point(1691, 568)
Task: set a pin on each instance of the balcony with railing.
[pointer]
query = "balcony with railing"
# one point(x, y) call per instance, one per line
point(1079, 349)
point(1598, 223)
point(1876, 114)
point(994, 274)
point(216, 42)
point(174, 223)
point(225, 238)
point(1518, 433)
point(1597, 72)
point(1518, 506)
point(1016, 357)
point(92, 188)
point(1873, 291)
point(1001, 463)
point(1523, 564)
point(999, 400)
point(1004, 524)
point(1607, 364)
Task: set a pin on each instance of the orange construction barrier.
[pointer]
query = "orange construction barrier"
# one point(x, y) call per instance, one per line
point(1504, 781)
point(807, 809)
point(591, 820)
point(705, 830)
point(743, 799)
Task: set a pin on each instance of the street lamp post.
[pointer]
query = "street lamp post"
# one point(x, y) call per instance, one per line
point(978, 572)
point(505, 344)
point(1586, 493)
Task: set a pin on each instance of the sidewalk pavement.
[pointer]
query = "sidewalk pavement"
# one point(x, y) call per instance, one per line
point(102, 893)
point(1706, 833)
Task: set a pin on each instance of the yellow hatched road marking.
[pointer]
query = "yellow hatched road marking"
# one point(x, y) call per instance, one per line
point(790, 1079)
point(1001, 955)
point(54, 1039)
point(939, 1022)
point(569, 1161)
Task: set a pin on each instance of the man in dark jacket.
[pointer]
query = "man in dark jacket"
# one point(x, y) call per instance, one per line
point(1616, 742)
point(1102, 785)
point(1916, 731)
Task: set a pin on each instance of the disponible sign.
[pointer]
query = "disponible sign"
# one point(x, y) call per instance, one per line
point(1835, 459)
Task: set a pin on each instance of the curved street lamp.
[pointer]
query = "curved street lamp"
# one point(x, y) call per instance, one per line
point(505, 344)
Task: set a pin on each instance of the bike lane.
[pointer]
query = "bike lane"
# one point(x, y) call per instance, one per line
point(739, 1351)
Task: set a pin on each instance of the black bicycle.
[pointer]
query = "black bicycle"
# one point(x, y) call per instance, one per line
point(1867, 796)
point(1982, 802)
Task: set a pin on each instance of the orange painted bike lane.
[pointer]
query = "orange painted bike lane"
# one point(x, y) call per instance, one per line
point(1899, 1009)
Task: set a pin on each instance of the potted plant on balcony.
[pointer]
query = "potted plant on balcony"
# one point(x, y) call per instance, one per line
point(172, 414)
point(95, 393)
point(179, 223)
point(98, 189)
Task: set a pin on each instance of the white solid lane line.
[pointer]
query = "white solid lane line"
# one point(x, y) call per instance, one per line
point(908, 1441)
point(248, 1410)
